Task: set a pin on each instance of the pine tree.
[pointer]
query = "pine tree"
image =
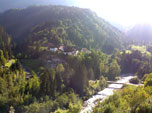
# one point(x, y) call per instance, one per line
point(45, 83)
point(114, 70)
point(2, 58)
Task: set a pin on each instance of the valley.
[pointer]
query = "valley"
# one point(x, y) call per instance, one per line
point(61, 59)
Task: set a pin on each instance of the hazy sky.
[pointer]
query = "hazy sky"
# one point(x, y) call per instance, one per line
point(124, 12)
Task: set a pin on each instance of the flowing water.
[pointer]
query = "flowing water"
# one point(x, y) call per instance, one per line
point(91, 102)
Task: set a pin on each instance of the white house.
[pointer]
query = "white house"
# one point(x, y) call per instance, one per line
point(71, 53)
point(53, 49)
point(61, 48)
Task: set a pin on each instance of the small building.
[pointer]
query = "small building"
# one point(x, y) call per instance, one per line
point(85, 50)
point(75, 53)
point(61, 48)
point(53, 49)
point(70, 51)
point(49, 45)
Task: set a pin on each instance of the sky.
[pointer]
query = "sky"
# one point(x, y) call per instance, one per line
point(123, 12)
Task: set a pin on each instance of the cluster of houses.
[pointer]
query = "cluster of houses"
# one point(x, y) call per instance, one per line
point(54, 60)
point(66, 49)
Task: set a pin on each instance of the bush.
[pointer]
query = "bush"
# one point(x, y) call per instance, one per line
point(134, 80)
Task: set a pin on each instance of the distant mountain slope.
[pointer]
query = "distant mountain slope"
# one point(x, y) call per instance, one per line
point(9, 4)
point(80, 27)
point(141, 33)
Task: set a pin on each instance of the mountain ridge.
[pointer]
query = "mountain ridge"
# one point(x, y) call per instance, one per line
point(9, 4)
point(80, 26)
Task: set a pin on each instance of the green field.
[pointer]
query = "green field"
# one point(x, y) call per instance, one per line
point(33, 64)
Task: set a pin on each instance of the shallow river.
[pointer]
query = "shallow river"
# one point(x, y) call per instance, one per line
point(90, 103)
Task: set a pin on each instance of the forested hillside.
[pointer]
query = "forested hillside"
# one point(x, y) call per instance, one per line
point(51, 89)
point(12, 76)
point(24, 92)
point(62, 25)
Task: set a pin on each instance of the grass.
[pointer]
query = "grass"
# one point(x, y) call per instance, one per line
point(142, 49)
point(94, 84)
point(127, 86)
point(10, 62)
point(44, 48)
point(128, 51)
point(33, 64)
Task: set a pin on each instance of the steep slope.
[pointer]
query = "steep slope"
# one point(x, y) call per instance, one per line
point(80, 27)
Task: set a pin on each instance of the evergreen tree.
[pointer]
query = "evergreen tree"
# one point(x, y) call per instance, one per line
point(33, 85)
point(114, 70)
point(59, 75)
point(2, 58)
point(90, 74)
point(45, 83)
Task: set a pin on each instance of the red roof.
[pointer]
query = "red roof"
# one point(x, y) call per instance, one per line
point(49, 45)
